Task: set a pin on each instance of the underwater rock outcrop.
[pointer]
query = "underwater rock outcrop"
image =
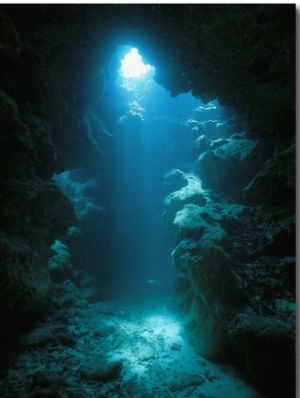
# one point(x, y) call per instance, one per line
point(203, 256)
point(86, 191)
point(228, 164)
point(238, 263)
point(190, 192)
point(60, 265)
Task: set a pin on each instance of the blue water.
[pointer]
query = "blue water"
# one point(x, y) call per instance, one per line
point(152, 136)
point(124, 241)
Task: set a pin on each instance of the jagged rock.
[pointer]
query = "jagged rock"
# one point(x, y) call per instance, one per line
point(218, 294)
point(174, 180)
point(207, 222)
point(203, 257)
point(229, 164)
point(274, 185)
point(268, 279)
point(81, 192)
point(84, 188)
point(286, 309)
point(278, 236)
point(237, 146)
point(67, 295)
point(191, 224)
point(203, 143)
point(210, 271)
point(191, 192)
point(59, 265)
point(37, 211)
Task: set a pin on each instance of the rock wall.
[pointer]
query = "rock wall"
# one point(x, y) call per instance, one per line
point(46, 128)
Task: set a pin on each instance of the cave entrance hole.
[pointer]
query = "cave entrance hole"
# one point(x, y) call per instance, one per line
point(132, 65)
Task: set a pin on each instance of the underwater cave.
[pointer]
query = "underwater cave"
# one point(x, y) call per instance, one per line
point(147, 172)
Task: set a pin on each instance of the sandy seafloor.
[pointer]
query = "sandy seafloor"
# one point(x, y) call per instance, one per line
point(121, 348)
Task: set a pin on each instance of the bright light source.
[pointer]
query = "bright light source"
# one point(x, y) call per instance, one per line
point(132, 65)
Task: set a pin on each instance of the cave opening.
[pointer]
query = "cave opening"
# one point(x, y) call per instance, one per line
point(132, 65)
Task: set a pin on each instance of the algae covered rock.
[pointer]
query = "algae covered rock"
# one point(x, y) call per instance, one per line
point(82, 189)
point(203, 257)
point(191, 223)
point(217, 294)
point(60, 265)
point(174, 180)
point(274, 184)
point(207, 221)
point(191, 192)
point(228, 165)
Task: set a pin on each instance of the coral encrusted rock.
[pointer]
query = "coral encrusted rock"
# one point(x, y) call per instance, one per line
point(190, 192)
point(217, 294)
point(60, 265)
point(228, 165)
